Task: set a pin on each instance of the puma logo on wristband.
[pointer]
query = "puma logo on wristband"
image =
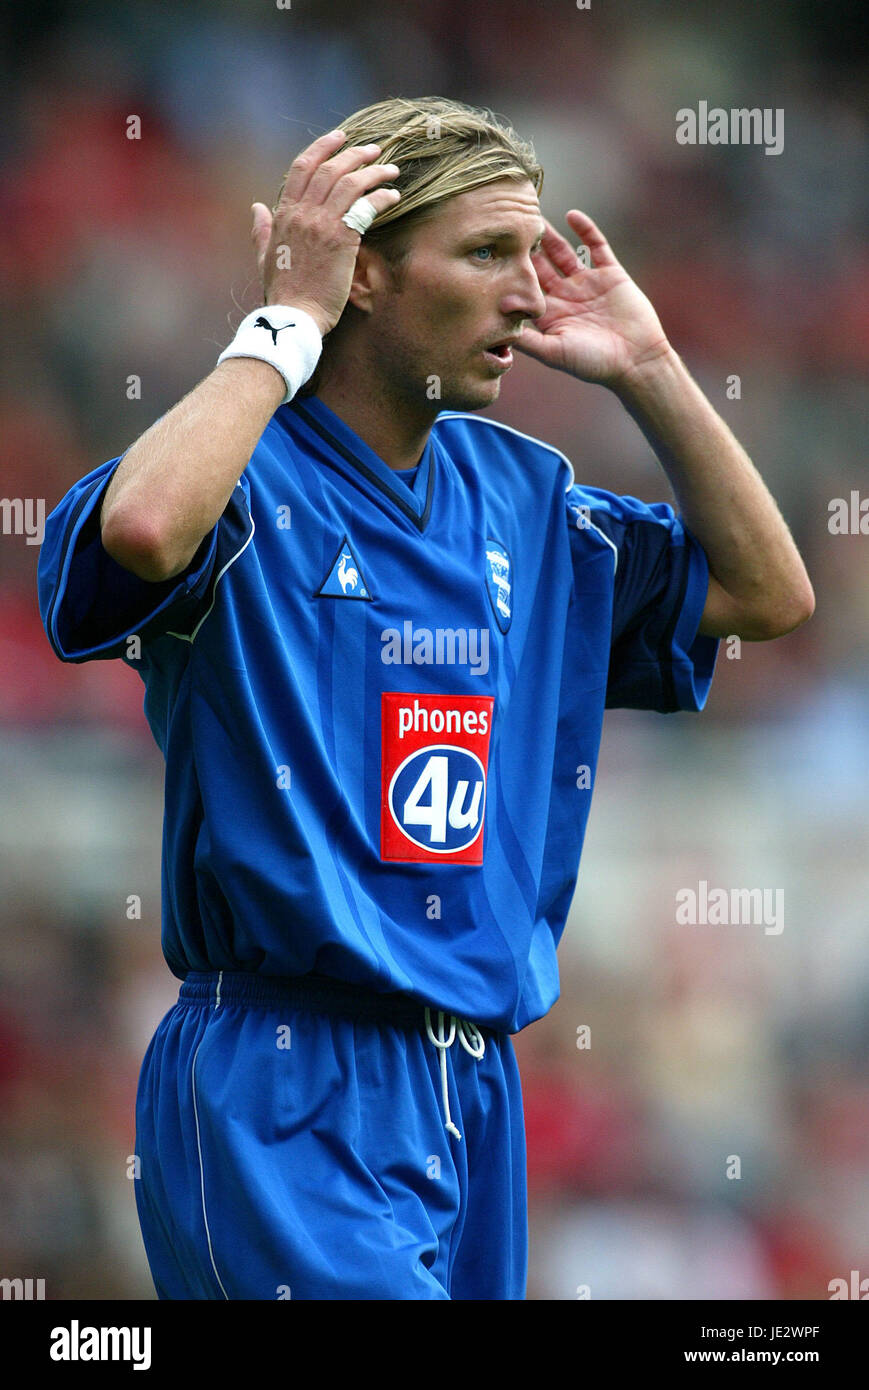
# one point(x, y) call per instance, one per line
point(264, 323)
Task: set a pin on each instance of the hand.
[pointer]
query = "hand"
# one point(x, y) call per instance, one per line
point(305, 228)
point(598, 325)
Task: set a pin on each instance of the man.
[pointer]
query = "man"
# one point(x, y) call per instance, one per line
point(377, 642)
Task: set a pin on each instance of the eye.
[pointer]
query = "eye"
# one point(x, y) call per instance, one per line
point(487, 253)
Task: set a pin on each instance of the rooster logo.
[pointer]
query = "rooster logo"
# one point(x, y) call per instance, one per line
point(344, 578)
point(348, 578)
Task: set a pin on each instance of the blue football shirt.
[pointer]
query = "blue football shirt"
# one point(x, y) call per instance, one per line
point(380, 702)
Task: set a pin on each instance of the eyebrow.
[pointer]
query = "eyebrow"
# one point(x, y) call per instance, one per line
point(499, 234)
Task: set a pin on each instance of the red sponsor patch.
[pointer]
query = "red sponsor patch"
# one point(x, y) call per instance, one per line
point(433, 770)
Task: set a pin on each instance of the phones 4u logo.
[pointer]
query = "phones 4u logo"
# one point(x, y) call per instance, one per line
point(435, 755)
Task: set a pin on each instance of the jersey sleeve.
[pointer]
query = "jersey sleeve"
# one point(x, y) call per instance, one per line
point(90, 605)
point(658, 659)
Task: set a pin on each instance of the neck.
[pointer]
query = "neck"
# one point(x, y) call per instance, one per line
point(394, 424)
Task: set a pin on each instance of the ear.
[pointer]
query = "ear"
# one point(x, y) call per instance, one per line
point(371, 277)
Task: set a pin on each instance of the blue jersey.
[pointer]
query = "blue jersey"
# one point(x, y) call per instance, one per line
point(380, 700)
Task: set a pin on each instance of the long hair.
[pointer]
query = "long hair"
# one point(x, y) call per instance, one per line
point(442, 148)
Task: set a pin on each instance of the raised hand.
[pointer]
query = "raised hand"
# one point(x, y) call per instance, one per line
point(305, 253)
point(598, 325)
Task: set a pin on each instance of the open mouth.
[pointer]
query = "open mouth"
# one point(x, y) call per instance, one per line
point(500, 353)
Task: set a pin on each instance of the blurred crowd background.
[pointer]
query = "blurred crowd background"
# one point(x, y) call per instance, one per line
point(122, 257)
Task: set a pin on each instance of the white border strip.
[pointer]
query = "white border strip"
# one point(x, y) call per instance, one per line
point(590, 526)
point(201, 1169)
point(191, 637)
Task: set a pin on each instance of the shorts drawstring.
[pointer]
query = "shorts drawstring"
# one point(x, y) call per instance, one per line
point(472, 1041)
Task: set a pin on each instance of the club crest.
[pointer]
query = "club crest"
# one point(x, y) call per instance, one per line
point(499, 582)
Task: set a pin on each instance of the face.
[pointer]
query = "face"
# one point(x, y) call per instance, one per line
point(462, 296)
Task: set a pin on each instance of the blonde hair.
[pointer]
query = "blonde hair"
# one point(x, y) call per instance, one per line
point(442, 148)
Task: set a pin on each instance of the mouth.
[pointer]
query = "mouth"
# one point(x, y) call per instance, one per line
point(500, 354)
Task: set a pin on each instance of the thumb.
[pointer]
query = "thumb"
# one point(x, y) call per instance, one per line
point(536, 344)
point(261, 228)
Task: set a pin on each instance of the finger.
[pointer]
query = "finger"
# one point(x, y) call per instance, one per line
point(305, 165)
point(354, 185)
point(593, 237)
point(325, 179)
point(550, 279)
point(538, 345)
point(528, 337)
point(380, 200)
point(559, 252)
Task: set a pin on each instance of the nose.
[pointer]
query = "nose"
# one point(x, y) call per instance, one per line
point(524, 295)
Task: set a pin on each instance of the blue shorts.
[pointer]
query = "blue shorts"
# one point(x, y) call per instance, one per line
point(294, 1144)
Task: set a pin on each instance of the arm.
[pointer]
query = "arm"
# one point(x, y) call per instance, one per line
point(172, 485)
point(599, 327)
point(155, 512)
point(758, 586)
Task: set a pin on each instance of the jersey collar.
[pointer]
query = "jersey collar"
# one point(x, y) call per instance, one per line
point(352, 457)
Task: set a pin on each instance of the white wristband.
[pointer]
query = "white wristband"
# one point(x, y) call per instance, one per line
point(285, 337)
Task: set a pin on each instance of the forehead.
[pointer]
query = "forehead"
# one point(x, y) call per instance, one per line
point(505, 204)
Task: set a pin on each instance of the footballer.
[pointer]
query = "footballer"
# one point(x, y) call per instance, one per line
point(378, 631)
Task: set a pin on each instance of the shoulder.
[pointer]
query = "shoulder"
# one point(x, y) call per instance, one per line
point(489, 444)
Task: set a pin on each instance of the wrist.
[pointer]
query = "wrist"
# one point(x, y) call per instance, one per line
point(285, 336)
point(650, 374)
point(287, 300)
